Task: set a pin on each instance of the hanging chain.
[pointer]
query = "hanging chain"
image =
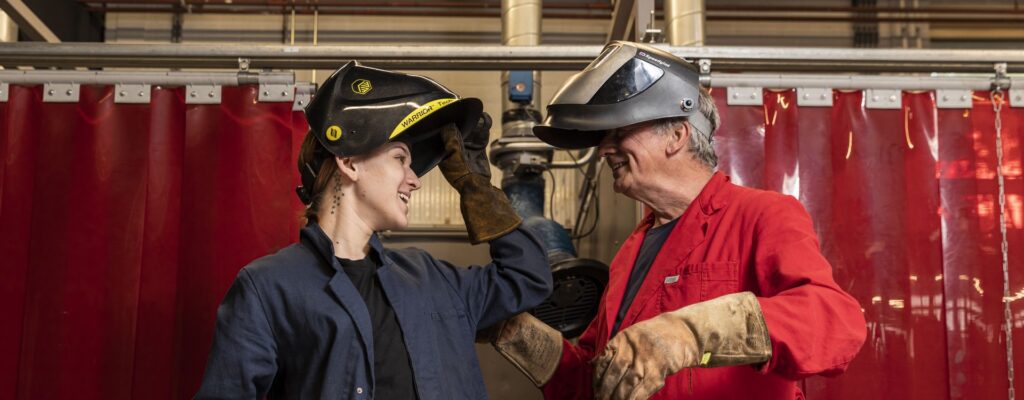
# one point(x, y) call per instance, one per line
point(997, 106)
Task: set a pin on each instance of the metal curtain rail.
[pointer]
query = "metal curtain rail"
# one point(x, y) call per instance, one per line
point(494, 57)
point(148, 78)
point(856, 82)
point(717, 79)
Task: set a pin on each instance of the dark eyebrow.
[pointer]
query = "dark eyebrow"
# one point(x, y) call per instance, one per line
point(405, 151)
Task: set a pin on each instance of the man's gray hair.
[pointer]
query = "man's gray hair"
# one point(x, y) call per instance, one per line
point(701, 143)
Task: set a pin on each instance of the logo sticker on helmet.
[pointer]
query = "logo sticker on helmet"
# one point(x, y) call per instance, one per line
point(655, 60)
point(333, 133)
point(418, 114)
point(361, 86)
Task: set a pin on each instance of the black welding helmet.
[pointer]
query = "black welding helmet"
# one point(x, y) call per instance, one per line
point(628, 83)
point(358, 109)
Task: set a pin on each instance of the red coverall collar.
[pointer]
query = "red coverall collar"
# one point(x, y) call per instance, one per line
point(710, 200)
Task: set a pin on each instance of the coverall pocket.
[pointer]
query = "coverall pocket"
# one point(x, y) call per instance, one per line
point(718, 278)
point(679, 288)
point(453, 322)
point(448, 315)
point(695, 282)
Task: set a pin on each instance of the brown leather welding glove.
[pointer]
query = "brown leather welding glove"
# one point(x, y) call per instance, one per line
point(485, 208)
point(729, 330)
point(532, 346)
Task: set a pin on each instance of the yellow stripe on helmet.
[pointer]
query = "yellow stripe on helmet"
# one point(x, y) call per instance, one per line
point(418, 114)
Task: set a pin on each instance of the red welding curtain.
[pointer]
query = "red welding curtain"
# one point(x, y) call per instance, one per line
point(121, 227)
point(906, 204)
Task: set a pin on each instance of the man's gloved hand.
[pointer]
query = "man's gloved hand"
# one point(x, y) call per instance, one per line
point(485, 208)
point(728, 330)
point(530, 345)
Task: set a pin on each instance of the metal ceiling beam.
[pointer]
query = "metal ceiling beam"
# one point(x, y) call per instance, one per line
point(28, 22)
point(547, 57)
point(495, 6)
point(630, 19)
point(621, 25)
point(643, 13)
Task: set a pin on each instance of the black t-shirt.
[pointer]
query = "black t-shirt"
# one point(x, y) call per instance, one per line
point(391, 364)
point(653, 241)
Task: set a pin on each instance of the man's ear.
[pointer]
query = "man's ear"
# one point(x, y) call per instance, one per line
point(347, 168)
point(678, 138)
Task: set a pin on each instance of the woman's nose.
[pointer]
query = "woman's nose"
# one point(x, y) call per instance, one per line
point(412, 179)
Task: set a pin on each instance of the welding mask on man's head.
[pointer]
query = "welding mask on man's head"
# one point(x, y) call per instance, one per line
point(627, 84)
point(359, 108)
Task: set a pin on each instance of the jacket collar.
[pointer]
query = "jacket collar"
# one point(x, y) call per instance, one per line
point(344, 291)
point(317, 240)
point(714, 196)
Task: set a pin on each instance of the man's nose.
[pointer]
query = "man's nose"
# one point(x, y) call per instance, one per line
point(607, 145)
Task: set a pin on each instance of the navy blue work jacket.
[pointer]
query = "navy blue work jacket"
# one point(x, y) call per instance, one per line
point(293, 326)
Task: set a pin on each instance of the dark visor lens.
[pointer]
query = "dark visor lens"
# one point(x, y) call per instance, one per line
point(633, 77)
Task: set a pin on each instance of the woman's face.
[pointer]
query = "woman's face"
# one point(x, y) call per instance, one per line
point(385, 187)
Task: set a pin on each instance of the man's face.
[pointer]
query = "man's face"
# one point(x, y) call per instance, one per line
point(633, 153)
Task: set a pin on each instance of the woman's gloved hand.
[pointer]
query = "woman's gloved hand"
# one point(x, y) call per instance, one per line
point(485, 208)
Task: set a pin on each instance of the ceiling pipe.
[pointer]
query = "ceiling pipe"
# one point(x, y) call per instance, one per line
point(684, 22)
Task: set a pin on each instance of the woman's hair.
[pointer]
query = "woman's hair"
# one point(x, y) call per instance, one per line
point(312, 149)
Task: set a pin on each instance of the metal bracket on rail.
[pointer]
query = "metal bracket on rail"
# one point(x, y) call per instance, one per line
point(243, 64)
point(60, 92)
point(883, 99)
point(202, 94)
point(744, 96)
point(954, 98)
point(303, 94)
point(704, 65)
point(132, 93)
point(813, 97)
point(1002, 82)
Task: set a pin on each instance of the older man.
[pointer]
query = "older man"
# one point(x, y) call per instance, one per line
point(721, 291)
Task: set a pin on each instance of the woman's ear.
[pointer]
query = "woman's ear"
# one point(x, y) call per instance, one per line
point(678, 138)
point(347, 168)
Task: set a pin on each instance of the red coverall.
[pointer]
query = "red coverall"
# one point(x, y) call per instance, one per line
point(731, 239)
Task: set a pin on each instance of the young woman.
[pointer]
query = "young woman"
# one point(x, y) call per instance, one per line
point(337, 315)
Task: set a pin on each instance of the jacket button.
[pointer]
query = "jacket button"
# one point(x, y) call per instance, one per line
point(359, 390)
